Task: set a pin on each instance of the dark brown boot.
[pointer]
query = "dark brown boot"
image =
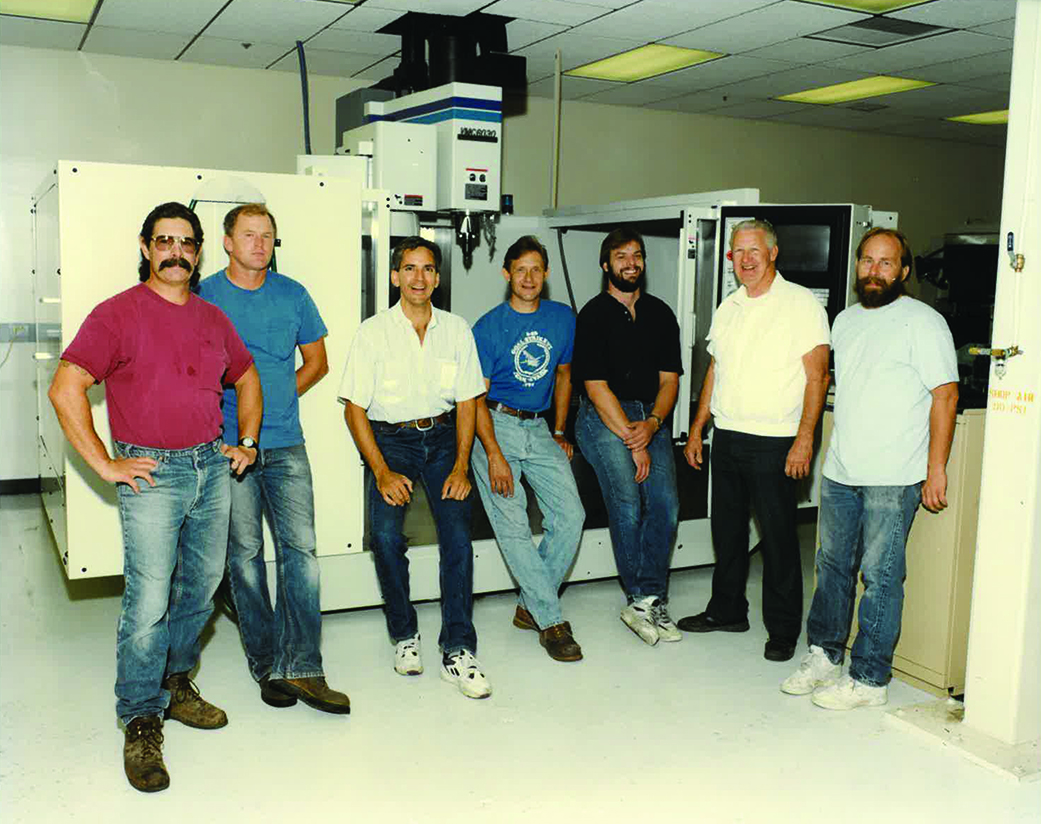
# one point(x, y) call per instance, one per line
point(314, 692)
point(143, 755)
point(188, 707)
point(560, 643)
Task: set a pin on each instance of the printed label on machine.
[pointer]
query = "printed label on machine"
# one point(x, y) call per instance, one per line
point(476, 191)
point(478, 135)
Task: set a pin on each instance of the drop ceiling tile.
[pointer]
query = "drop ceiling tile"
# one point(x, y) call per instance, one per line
point(638, 22)
point(719, 72)
point(806, 50)
point(830, 117)
point(377, 71)
point(944, 101)
point(705, 12)
point(707, 101)
point(457, 8)
point(758, 109)
point(190, 16)
point(957, 132)
point(367, 18)
point(968, 68)
point(40, 34)
point(539, 67)
point(632, 94)
point(995, 82)
point(1003, 28)
point(546, 11)
point(763, 27)
point(571, 88)
point(130, 43)
point(521, 33)
point(321, 61)
point(221, 52)
point(577, 49)
point(281, 22)
point(958, 14)
point(608, 4)
point(358, 42)
point(939, 48)
point(794, 80)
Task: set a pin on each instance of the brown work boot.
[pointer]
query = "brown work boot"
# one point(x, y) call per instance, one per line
point(522, 619)
point(143, 755)
point(315, 693)
point(188, 707)
point(560, 643)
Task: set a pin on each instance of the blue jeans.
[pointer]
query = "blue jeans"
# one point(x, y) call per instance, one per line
point(423, 457)
point(175, 536)
point(284, 642)
point(641, 517)
point(862, 529)
point(530, 451)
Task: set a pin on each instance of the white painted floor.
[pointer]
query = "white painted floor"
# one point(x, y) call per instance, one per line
point(694, 731)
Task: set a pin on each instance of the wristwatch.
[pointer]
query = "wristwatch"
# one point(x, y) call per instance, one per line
point(248, 442)
point(558, 432)
point(658, 419)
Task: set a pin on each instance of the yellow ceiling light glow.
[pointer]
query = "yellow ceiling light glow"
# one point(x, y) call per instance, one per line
point(70, 11)
point(646, 61)
point(872, 6)
point(994, 118)
point(856, 90)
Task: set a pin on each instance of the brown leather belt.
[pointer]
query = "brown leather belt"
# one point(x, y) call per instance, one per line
point(422, 424)
point(509, 410)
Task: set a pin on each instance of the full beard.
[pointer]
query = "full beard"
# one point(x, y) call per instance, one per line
point(623, 285)
point(883, 296)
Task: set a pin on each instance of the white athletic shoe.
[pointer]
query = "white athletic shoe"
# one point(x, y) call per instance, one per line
point(815, 670)
point(848, 694)
point(639, 617)
point(667, 630)
point(462, 669)
point(408, 659)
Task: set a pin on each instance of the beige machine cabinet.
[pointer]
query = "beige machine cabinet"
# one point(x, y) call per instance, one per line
point(940, 556)
point(87, 219)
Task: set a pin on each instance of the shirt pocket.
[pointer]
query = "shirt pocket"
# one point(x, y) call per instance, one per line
point(279, 340)
point(392, 383)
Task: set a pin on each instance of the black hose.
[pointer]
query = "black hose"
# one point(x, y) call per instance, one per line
point(563, 264)
point(303, 93)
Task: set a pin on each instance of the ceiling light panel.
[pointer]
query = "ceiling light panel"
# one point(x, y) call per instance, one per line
point(994, 118)
point(872, 6)
point(190, 18)
point(69, 11)
point(764, 27)
point(960, 14)
point(546, 11)
point(646, 61)
point(855, 90)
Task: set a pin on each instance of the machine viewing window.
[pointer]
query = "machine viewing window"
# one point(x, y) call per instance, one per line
point(803, 247)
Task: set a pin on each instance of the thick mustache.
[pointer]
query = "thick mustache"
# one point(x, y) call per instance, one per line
point(180, 261)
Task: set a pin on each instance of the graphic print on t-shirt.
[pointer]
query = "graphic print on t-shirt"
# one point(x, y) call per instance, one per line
point(531, 358)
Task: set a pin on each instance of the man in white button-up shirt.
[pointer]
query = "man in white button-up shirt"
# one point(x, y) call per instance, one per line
point(410, 387)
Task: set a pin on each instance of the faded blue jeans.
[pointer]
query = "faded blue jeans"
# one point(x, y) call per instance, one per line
point(284, 642)
point(530, 451)
point(862, 529)
point(175, 536)
point(641, 517)
point(426, 457)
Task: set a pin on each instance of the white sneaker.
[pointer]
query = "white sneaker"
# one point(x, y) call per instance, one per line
point(408, 659)
point(848, 694)
point(463, 670)
point(815, 670)
point(667, 630)
point(639, 617)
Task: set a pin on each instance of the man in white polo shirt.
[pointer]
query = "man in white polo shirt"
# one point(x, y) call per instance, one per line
point(409, 387)
point(765, 389)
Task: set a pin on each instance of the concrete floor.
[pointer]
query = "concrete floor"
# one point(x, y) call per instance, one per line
point(694, 731)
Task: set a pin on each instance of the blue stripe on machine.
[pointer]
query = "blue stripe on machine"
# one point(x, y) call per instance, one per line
point(445, 114)
point(438, 105)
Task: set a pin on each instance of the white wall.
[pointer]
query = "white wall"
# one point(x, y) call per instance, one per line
point(68, 105)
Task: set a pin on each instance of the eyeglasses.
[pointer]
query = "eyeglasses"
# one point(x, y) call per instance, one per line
point(165, 242)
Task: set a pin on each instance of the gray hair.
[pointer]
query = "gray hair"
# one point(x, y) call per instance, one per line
point(756, 225)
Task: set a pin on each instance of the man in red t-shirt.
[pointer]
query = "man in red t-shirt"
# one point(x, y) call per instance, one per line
point(164, 355)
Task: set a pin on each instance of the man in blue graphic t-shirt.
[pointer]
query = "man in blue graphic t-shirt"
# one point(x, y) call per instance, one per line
point(525, 346)
point(275, 316)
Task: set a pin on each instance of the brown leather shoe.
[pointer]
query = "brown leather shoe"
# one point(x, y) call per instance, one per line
point(143, 755)
point(522, 619)
point(560, 643)
point(188, 707)
point(273, 697)
point(315, 693)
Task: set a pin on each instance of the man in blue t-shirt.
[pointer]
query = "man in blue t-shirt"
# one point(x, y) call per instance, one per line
point(525, 346)
point(275, 316)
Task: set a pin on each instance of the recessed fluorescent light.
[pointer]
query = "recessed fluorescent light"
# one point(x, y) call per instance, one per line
point(873, 6)
point(646, 61)
point(856, 90)
point(994, 118)
point(72, 11)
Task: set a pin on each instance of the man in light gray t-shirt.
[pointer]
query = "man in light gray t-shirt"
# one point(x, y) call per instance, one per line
point(896, 379)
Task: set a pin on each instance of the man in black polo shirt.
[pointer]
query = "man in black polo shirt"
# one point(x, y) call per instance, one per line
point(627, 361)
